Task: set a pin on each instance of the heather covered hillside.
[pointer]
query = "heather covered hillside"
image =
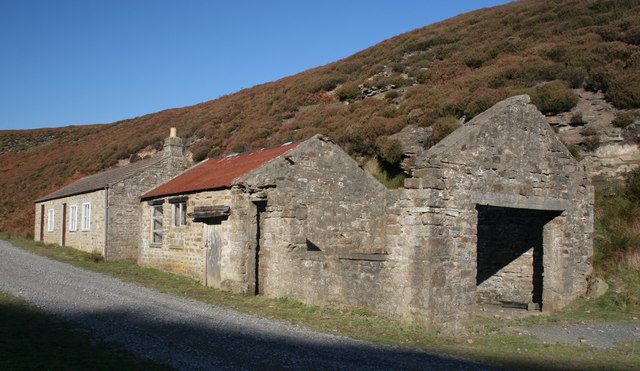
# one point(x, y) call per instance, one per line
point(432, 76)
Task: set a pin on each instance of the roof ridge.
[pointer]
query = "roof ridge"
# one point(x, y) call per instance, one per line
point(102, 179)
point(219, 172)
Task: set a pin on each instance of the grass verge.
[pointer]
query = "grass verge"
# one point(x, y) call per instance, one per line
point(33, 340)
point(487, 341)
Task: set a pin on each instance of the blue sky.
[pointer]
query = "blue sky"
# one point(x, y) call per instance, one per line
point(89, 62)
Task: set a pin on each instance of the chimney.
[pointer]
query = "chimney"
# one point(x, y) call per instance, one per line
point(173, 145)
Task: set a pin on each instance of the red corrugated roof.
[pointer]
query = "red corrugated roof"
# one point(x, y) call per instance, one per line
point(218, 172)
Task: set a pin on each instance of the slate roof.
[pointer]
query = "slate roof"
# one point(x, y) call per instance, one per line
point(216, 173)
point(101, 180)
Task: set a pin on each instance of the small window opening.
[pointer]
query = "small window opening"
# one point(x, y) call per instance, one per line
point(156, 224)
point(180, 214)
point(50, 220)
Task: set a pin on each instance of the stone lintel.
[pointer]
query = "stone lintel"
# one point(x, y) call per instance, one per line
point(210, 212)
point(520, 202)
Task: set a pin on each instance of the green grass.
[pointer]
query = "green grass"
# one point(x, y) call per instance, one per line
point(485, 341)
point(617, 233)
point(391, 181)
point(33, 340)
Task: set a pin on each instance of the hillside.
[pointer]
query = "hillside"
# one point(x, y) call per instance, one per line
point(432, 76)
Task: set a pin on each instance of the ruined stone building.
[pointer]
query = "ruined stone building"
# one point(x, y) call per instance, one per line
point(498, 211)
point(101, 213)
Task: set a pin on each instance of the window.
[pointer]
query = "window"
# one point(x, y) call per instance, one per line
point(86, 216)
point(73, 218)
point(180, 214)
point(156, 224)
point(50, 219)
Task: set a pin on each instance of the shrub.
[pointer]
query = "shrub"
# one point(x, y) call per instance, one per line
point(392, 95)
point(200, 150)
point(327, 84)
point(625, 119)
point(591, 143)
point(348, 92)
point(391, 151)
point(482, 100)
point(574, 150)
point(576, 119)
point(389, 112)
point(574, 76)
point(587, 132)
point(632, 184)
point(553, 98)
point(442, 127)
point(624, 90)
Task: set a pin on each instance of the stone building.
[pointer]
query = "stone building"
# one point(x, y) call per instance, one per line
point(101, 213)
point(497, 212)
point(248, 223)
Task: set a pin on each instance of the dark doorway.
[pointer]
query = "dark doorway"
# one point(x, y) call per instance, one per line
point(261, 206)
point(64, 225)
point(510, 255)
point(41, 223)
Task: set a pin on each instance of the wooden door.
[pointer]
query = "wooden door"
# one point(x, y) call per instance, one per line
point(212, 245)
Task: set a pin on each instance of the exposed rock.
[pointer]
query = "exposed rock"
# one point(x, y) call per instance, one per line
point(414, 140)
point(610, 162)
point(596, 287)
point(618, 151)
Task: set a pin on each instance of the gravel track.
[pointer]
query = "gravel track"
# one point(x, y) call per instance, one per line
point(192, 335)
point(599, 335)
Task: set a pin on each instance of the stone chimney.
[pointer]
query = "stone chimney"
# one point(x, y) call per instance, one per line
point(173, 145)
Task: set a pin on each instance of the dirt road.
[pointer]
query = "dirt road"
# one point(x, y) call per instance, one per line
point(192, 335)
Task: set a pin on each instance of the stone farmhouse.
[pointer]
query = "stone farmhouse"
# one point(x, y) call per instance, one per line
point(100, 213)
point(499, 211)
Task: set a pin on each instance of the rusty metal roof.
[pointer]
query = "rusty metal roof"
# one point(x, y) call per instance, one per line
point(100, 180)
point(215, 173)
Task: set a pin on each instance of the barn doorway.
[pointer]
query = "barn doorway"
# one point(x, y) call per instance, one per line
point(511, 256)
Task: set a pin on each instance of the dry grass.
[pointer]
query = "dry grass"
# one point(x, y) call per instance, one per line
point(457, 67)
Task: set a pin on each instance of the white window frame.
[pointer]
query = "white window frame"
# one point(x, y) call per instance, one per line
point(156, 224)
point(51, 216)
point(180, 214)
point(73, 218)
point(86, 216)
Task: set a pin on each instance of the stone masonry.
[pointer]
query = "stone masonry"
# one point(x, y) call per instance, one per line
point(497, 212)
point(91, 240)
point(113, 197)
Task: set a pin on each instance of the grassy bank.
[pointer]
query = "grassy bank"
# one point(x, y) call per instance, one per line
point(486, 342)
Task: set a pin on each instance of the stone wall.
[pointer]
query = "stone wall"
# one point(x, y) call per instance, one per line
point(92, 240)
point(323, 228)
point(312, 226)
point(124, 206)
point(506, 157)
point(182, 250)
